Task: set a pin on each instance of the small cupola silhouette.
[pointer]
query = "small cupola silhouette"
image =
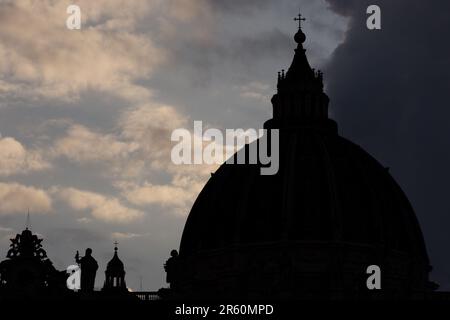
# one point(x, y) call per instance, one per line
point(115, 274)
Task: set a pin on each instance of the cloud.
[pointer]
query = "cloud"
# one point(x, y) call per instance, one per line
point(16, 159)
point(40, 57)
point(142, 142)
point(84, 220)
point(104, 208)
point(177, 196)
point(142, 131)
point(138, 150)
point(127, 235)
point(163, 195)
point(83, 145)
point(389, 93)
point(18, 199)
point(151, 127)
point(239, 6)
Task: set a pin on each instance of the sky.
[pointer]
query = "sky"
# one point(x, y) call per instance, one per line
point(86, 115)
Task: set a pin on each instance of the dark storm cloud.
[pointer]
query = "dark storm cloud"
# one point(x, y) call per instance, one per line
point(389, 91)
point(239, 6)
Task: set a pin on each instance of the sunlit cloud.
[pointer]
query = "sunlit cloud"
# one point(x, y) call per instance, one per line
point(84, 145)
point(127, 235)
point(19, 199)
point(40, 57)
point(17, 159)
point(104, 208)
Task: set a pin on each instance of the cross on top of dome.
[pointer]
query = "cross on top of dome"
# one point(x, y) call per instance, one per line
point(300, 37)
point(299, 18)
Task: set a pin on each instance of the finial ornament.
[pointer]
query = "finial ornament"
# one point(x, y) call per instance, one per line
point(115, 245)
point(299, 18)
point(299, 36)
point(28, 223)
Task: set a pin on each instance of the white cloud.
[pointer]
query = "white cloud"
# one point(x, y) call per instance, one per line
point(163, 195)
point(18, 199)
point(178, 195)
point(41, 59)
point(127, 235)
point(140, 148)
point(144, 134)
point(151, 126)
point(84, 220)
point(16, 159)
point(39, 56)
point(141, 144)
point(104, 208)
point(83, 145)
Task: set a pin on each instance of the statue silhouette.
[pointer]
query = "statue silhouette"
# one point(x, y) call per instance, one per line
point(89, 268)
point(171, 267)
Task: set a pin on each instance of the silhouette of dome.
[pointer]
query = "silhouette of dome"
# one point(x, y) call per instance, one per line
point(328, 189)
point(115, 274)
point(27, 271)
point(311, 230)
point(115, 264)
